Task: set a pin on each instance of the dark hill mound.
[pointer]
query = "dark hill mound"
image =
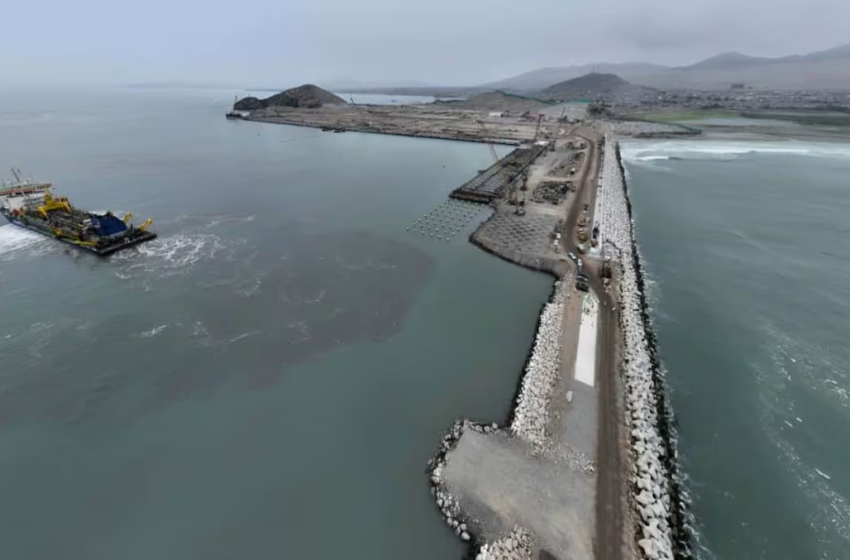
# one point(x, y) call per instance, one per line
point(589, 86)
point(307, 96)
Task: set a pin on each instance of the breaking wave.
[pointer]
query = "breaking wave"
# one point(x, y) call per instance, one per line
point(648, 151)
point(154, 331)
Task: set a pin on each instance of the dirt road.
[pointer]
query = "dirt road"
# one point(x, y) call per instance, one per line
point(610, 481)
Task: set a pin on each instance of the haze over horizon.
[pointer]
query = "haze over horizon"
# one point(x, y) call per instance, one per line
point(442, 43)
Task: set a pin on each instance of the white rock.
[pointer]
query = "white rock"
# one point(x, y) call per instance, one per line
point(650, 550)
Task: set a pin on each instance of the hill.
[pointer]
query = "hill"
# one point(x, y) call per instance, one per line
point(497, 101)
point(307, 96)
point(545, 77)
point(828, 69)
point(589, 86)
point(726, 60)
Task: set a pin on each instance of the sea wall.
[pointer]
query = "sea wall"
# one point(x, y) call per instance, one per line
point(656, 495)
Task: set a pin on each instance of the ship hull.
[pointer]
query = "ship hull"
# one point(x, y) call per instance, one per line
point(101, 250)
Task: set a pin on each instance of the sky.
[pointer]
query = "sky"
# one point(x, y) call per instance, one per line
point(271, 43)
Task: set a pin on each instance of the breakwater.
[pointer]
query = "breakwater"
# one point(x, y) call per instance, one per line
point(541, 373)
point(657, 498)
point(447, 503)
point(347, 127)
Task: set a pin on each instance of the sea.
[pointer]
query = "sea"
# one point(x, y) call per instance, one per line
point(268, 378)
point(746, 248)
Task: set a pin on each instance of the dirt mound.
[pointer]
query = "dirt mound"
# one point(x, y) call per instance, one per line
point(307, 96)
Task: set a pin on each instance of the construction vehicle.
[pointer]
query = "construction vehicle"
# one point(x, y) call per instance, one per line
point(582, 234)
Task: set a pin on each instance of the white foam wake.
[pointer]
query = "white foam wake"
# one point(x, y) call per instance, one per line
point(642, 151)
point(14, 238)
point(173, 253)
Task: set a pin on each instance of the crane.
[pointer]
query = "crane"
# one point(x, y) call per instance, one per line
point(490, 146)
point(537, 129)
point(557, 128)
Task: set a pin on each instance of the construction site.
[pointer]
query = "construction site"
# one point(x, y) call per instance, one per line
point(552, 480)
point(421, 121)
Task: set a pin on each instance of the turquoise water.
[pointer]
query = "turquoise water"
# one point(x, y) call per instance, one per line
point(269, 378)
point(749, 266)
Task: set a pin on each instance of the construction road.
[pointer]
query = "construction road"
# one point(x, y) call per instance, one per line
point(610, 468)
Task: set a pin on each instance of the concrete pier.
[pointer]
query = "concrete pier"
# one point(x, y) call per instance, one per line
point(491, 184)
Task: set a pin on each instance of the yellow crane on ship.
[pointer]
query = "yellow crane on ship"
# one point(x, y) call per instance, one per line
point(51, 204)
point(145, 225)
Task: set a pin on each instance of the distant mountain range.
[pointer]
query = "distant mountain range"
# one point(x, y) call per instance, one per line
point(829, 69)
point(348, 84)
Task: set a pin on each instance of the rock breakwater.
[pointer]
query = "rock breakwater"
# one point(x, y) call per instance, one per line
point(447, 503)
point(541, 373)
point(516, 546)
point(658, 501)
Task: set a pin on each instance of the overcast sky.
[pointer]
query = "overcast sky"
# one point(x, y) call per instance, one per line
point(446, 42)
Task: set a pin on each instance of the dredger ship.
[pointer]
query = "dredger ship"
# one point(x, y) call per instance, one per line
point(32, 205)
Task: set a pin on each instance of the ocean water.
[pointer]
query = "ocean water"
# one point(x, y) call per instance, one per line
point(384, 99)
point(749, 266)
point(268, 378)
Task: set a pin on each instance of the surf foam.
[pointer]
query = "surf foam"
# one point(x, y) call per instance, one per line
point(647, 151)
